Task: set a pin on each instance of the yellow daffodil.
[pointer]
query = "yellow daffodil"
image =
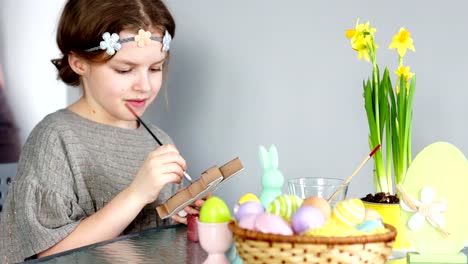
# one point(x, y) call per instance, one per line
point(404, 71)
point(388, 107)
point(402, 41)
point(362, 39)
point(361, 47)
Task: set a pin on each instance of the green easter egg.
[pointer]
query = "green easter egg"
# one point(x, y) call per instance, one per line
point(285, 206)
point(214, 210)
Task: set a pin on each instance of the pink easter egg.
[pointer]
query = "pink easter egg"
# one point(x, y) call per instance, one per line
point(272, 224)
point(248, 208)
point(307, 218)
point(248, 222)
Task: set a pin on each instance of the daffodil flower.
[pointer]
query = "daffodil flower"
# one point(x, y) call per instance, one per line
point(143, 38)
point(362, 39)
point(404, 71)
point(110, 43)
point(360, 45)
point(427, 209)
point(402, 41)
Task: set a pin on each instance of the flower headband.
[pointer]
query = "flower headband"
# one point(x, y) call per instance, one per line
point(113, 43)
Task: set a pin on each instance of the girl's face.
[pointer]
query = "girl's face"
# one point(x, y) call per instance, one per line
point(132, 76)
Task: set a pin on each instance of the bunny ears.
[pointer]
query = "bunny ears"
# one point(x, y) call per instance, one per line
point(268, 159)
point(112, 43)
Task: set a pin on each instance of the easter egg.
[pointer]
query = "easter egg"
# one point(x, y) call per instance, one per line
point(285, 206)
point(349, 212)
point(370, 225)
point(249, 208)
point(306, 218)
point(214, 210)
point(272, 224)
point(247, 222)
point(319, 203)
point(371, 214)
point(249, 197)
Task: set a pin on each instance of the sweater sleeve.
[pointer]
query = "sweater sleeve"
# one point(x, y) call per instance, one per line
point(41, 206)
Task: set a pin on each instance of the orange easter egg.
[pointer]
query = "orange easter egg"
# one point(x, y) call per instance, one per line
point(319, 203)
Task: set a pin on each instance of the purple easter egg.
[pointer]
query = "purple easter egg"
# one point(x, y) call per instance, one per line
point(272, 224)
point(307, 218)
point(249, 208)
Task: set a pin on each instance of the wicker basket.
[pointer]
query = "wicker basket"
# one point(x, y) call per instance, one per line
point(257, 247)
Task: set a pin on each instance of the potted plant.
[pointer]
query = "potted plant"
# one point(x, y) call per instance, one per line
point(389, 114)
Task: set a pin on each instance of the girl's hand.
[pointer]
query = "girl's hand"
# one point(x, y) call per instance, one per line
point(162, 166)
point(191, 209)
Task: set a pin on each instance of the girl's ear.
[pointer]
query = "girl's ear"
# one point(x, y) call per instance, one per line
point(78, 65)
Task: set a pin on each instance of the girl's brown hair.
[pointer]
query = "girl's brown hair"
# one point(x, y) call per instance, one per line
point(83, 22)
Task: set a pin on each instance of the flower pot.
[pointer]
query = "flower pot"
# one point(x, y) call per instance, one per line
point(390, 214)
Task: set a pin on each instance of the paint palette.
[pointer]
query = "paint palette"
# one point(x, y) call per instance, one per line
point(209, 181)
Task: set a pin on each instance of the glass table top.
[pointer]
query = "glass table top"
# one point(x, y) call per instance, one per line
point(163, 245)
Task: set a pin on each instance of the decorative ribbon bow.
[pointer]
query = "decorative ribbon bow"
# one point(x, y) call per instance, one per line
point(426, 209)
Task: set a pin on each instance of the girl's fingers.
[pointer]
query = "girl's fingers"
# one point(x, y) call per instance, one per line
point(172, 177)
point(191, 210)
point(179, 219)
point(167, 148)
point(172, 168)
point(167, 158)
point(199, 203)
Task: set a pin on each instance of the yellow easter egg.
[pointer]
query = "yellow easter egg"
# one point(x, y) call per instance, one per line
point(349, 212)
point(285, 206)
point(250, 197)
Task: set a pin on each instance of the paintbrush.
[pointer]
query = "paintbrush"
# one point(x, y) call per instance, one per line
point(153, 135)
point(346, 182)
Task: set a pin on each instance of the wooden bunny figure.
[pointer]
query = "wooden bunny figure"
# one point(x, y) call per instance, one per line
point(272, 179)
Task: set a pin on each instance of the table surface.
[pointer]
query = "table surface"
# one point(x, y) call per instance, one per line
point(159, 245)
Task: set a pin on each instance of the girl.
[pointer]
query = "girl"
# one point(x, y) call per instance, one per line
point(90, 172)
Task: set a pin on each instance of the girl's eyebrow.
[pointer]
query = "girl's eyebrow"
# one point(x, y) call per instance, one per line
point(127, 62)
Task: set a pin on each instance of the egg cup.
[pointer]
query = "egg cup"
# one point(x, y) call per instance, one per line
point(215, 239)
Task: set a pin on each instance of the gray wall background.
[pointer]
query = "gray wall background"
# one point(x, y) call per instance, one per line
point(250, 73)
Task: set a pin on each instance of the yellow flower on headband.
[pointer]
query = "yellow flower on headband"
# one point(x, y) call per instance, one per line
point(402, 41)
point(143, 38)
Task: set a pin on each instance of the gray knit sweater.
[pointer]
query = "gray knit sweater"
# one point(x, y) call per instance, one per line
point(69, 168)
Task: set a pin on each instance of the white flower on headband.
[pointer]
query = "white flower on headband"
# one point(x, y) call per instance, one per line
point(166, 41)
point(110, 43)
point(143, 38)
